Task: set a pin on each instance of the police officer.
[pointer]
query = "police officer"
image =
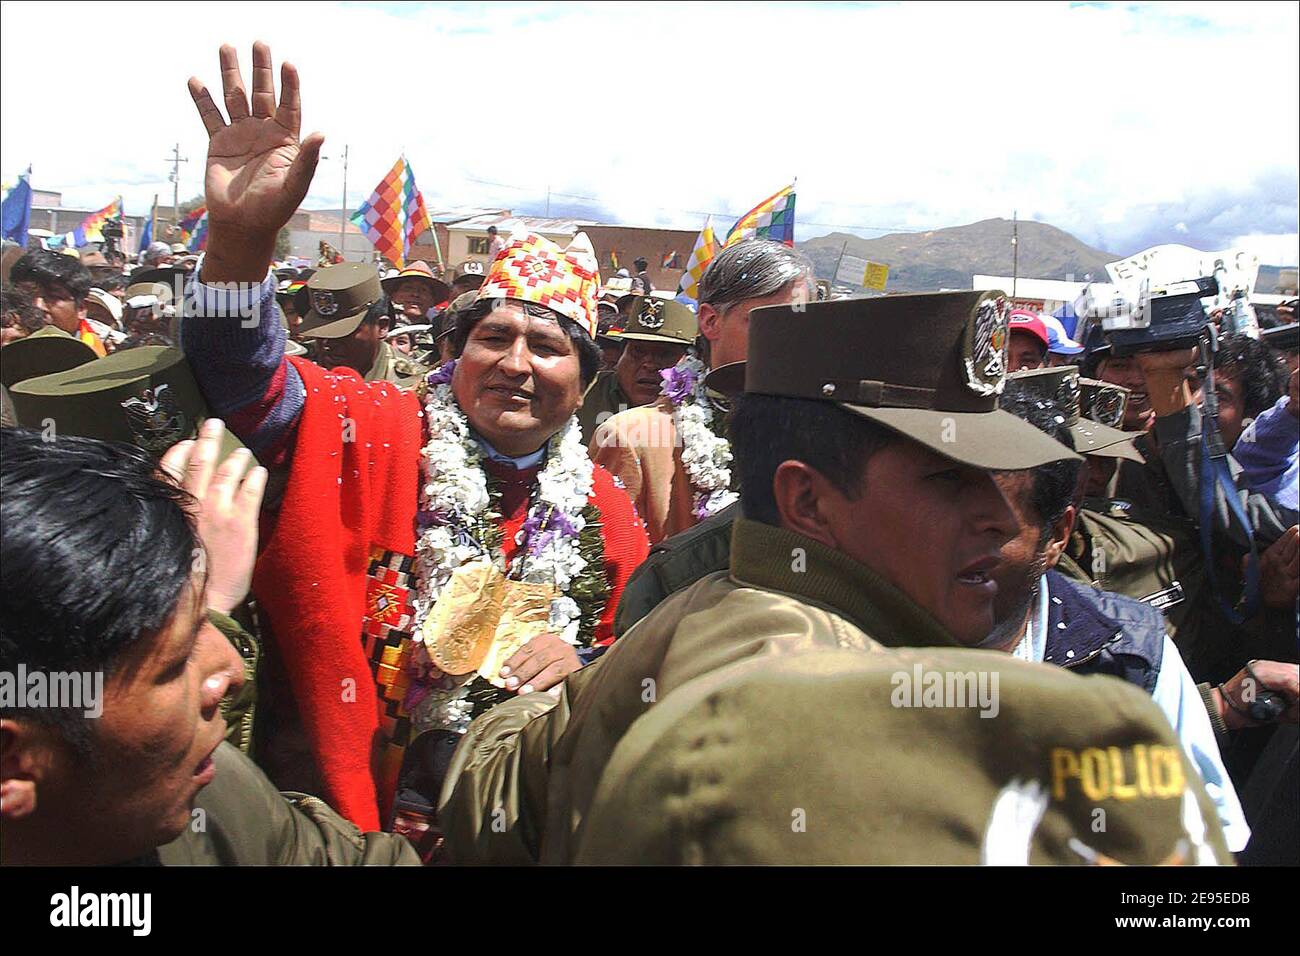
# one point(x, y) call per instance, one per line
point(871, 522)
point(657, 336)
point(349, 316)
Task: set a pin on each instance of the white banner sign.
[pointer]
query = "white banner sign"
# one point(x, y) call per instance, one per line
point(1162, 265)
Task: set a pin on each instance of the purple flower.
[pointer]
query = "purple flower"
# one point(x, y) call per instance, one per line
point(442, 374)
point(679, 383)
point(539, 530)
point(429, 519)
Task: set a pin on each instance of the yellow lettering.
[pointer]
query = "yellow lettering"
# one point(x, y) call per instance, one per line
point(1172, 783)
point(1064, 766)
point(1143, 771)
point(1119, 789)
point(1095, 773)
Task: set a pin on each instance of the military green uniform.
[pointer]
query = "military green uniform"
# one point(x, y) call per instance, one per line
point(604, 399)
point(340, 297)
point(247, 821)
point(676, 563)
point(401, 370)
point(778, 678)
point(44, 352)
point(145, 397)
point(651, 318)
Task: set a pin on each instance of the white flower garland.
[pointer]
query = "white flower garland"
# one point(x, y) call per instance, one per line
point(705, 454)
point(455, 496)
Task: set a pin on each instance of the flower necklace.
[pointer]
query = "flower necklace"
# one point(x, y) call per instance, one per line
point(559, 544)
point(706, 454)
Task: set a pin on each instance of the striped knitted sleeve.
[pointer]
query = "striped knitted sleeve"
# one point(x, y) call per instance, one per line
point(234, 339)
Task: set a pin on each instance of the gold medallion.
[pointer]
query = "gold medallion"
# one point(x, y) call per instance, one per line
point(461, 625)
point(482, 618)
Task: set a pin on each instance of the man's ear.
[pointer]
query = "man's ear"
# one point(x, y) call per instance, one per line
point(710, 322)
point(23, 761)
point(1060, 538)
point(802, 494)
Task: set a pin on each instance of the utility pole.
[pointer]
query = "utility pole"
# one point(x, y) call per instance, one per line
point(838, 262)
point(548, 200)
point(1015, 253)
point(343, 216)
point(175, 177)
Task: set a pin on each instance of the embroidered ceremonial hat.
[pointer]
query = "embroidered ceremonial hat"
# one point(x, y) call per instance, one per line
point(145, 397)
point(44, 352)
point(973, 757)
point(533, 269)
point(929, 366)
point(340, 296)
point(421, 272)
point(1061, 385)
point(656, 319)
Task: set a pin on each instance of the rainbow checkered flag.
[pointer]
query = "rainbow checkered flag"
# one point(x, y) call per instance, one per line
point(91, 228)
point(772, 219)
point(706, 247)
point(394, 214)
point(194, 229)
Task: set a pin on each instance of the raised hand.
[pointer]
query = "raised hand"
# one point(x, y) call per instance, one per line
point(257, 170)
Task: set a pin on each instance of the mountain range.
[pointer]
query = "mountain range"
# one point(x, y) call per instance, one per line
point(947, 258)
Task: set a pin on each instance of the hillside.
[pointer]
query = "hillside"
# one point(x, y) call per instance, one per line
point(947, 258)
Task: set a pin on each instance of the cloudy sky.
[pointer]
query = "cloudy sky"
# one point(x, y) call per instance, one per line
point(1126, 124)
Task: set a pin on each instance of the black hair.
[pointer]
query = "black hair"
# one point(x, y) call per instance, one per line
point(381, 308)
point(19, 309)
point(110, 281)
point(96, 550)
point(47, 269)
point(1054, 482)
point(589, 357)
point(640, 263)
point(766, 430)
point(1262, 376)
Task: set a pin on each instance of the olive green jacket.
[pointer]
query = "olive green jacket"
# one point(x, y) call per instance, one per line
point(240, 818)
point(603, 400)
point(676, 563)
point(524, 780)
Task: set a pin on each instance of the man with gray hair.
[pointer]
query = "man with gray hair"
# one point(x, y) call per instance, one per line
point(156, 255)
point(673, 456)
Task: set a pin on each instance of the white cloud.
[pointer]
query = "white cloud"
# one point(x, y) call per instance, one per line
point(912, 115)
point(1283, 250)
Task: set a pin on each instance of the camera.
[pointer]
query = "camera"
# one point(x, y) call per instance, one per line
point(1166, 317)
point(111, 230)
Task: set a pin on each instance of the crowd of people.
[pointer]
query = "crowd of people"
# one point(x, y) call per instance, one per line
point(519, 566)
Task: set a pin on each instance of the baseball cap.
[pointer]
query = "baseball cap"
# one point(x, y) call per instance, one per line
point(1057, 339)
point(1022, 320)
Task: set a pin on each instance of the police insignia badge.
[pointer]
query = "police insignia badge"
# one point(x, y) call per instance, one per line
point(323, 302)
point(1067, 396)
point(985, 347)
point(1104, 403)
point(652, 314)
point(155, 420)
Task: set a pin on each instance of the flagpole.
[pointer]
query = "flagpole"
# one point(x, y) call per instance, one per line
point(437, 247)
point(153, 223)
point(835, 276)
point(343, 215)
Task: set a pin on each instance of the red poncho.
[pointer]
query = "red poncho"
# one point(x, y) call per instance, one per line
point(345, 500)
